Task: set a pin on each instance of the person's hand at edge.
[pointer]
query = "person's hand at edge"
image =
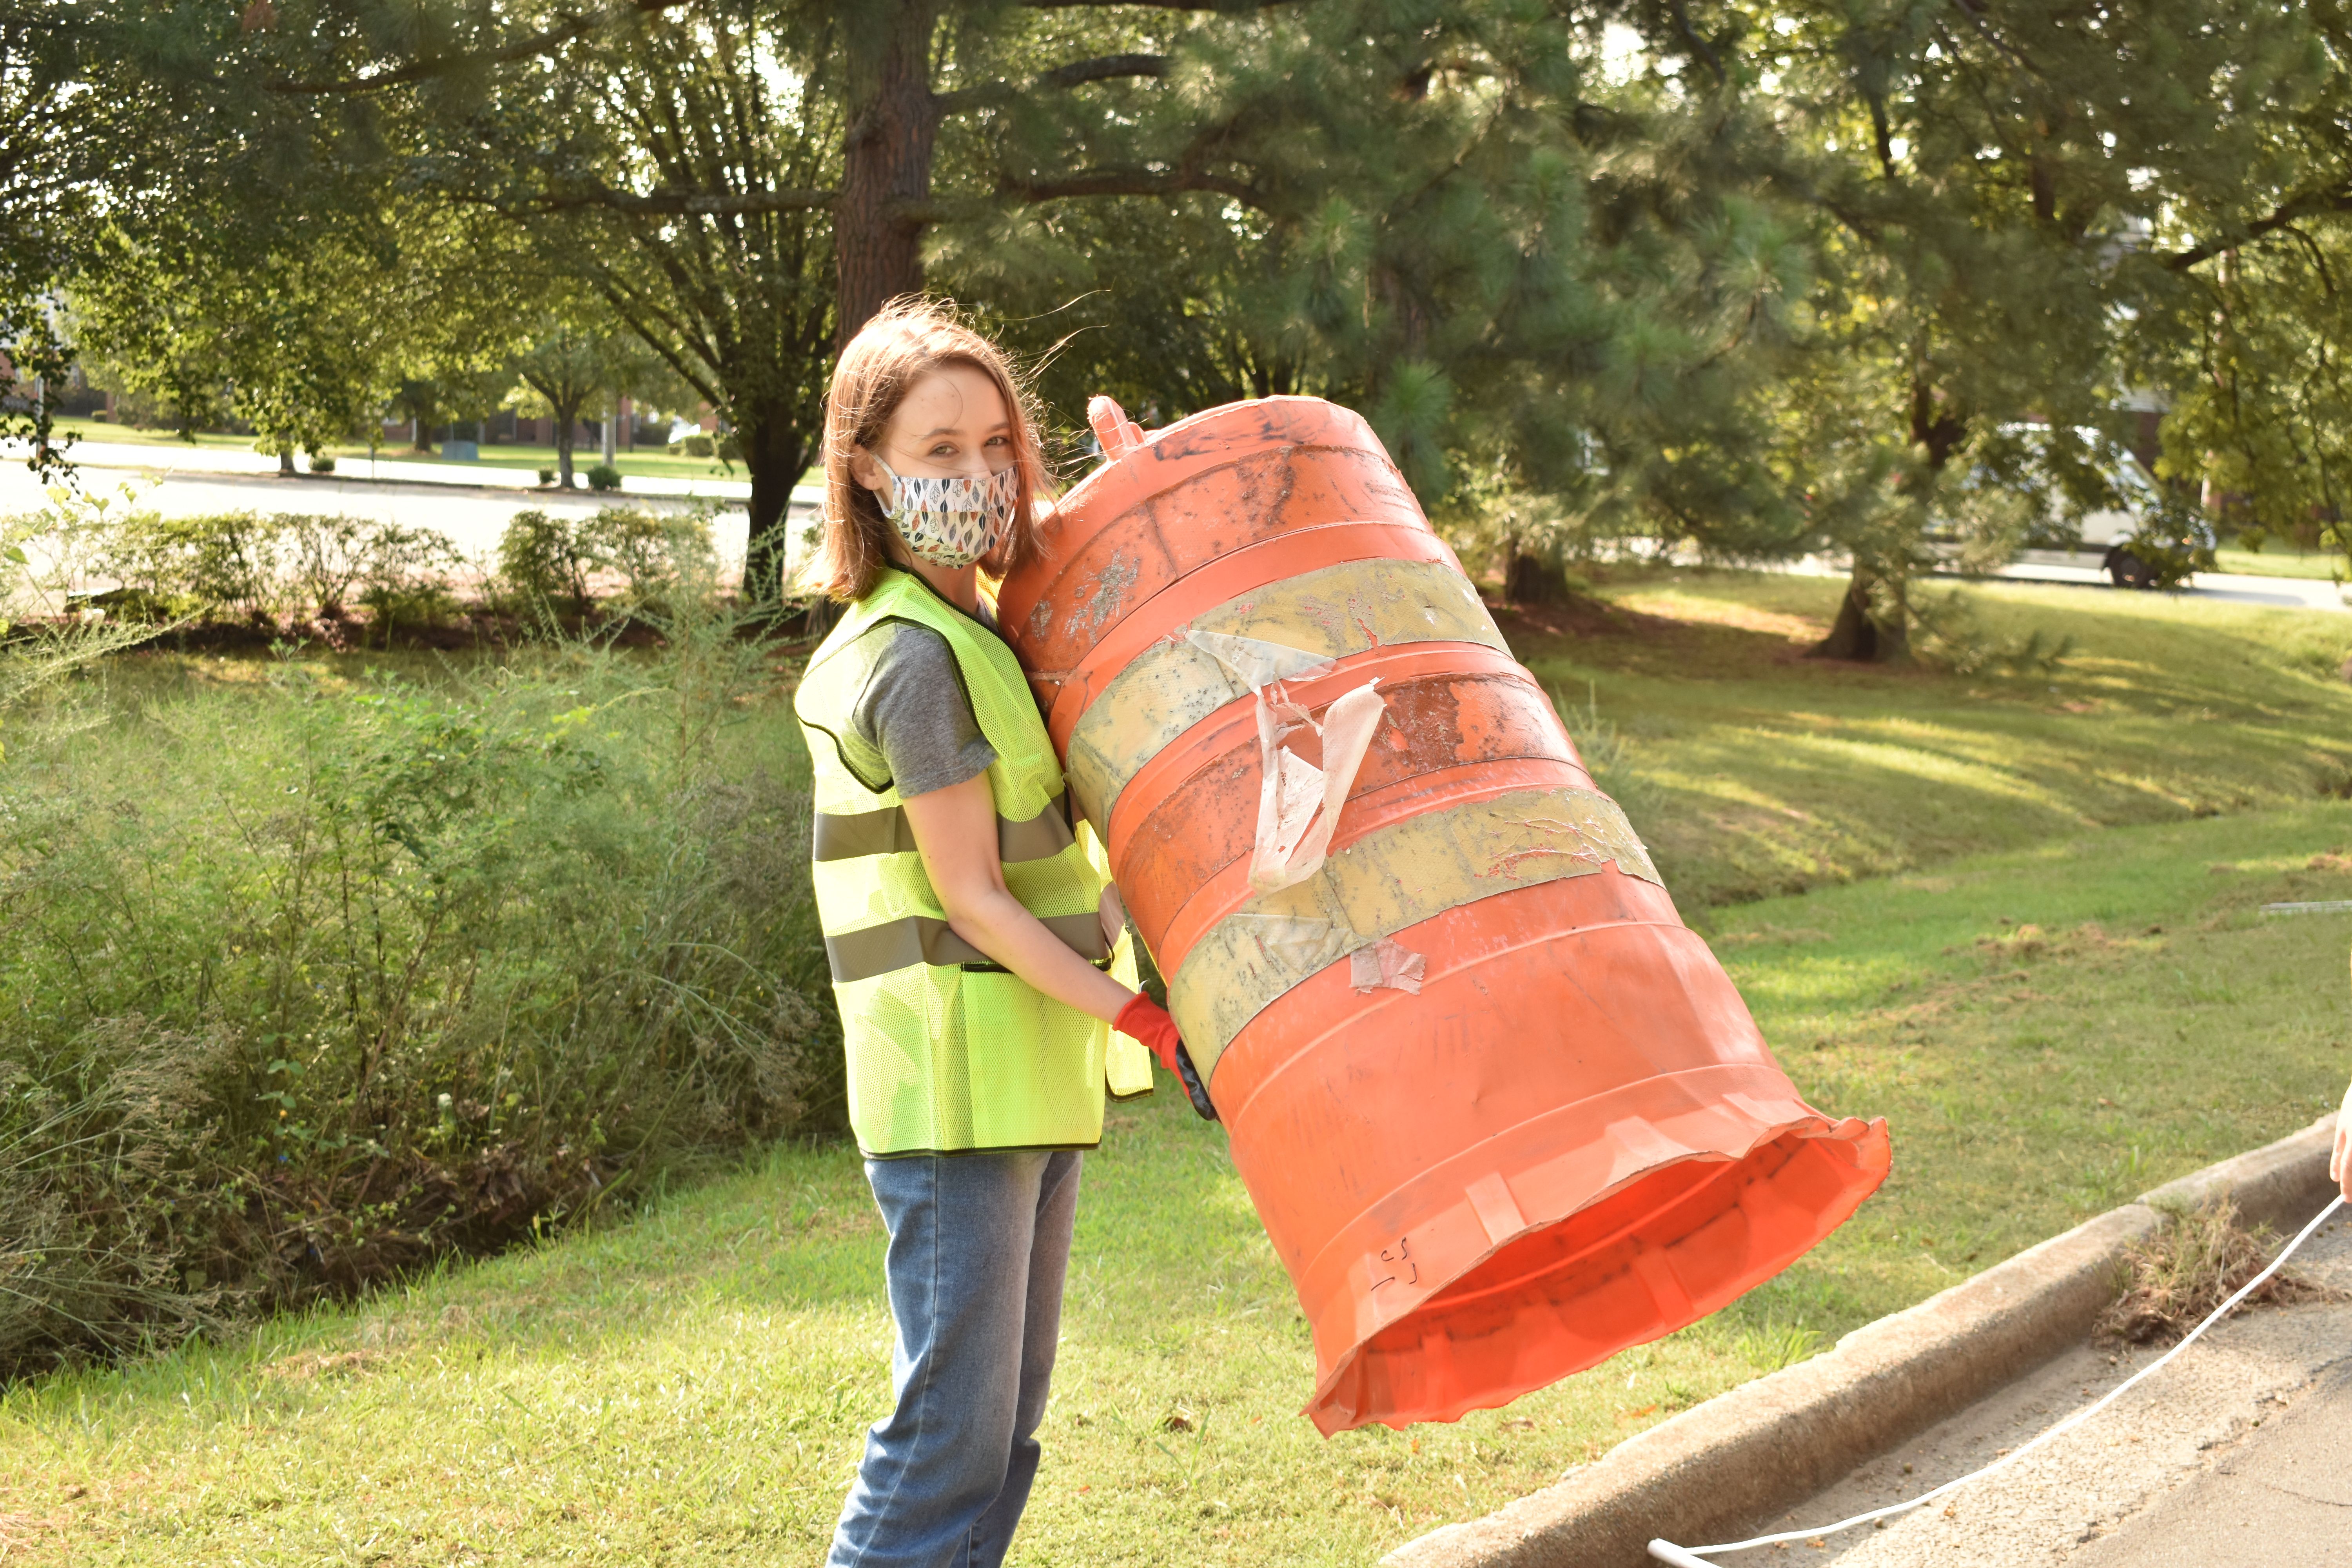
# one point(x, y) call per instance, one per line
point(2339, 1160)
point(1147, 1021)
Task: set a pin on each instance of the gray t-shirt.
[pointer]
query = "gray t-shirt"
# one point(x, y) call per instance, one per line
point(913, 724)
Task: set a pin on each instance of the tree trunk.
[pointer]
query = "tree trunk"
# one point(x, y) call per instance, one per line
point(286, 459)
point(1529, 580)
point(1862, 632)
point(566, 428)
point(775, 449)
point(885, 171)
point(1873, 619)
point(610, 448)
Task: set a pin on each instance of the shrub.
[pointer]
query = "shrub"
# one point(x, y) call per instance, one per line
point(543, 558)
point(311, 979)
point(657, 555)
point(547, 475)
point(322, 463)
point(546, 559)
point(698, 445)
point(408, 575)
point(244, 567)
point(603, 477)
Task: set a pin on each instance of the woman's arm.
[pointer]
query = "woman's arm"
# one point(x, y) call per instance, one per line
point(955, 829)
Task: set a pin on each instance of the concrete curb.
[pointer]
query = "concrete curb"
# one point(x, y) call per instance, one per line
point(1750, 1453)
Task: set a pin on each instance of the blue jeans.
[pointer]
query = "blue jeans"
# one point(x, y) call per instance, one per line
point(980, 1244)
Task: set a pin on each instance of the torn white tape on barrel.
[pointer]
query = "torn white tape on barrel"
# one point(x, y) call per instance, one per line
point(1308, 621)
point(1392, 878)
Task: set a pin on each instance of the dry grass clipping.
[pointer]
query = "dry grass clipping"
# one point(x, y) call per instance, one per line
point(2179, 1275)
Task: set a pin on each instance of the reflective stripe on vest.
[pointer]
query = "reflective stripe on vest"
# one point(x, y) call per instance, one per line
point(918, 938)
point(845, 836)
point(948, 1050)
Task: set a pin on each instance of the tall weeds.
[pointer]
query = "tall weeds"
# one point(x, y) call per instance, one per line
point(313, 978)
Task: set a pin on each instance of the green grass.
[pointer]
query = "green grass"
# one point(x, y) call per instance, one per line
point(2053, 1014)
point(1757, 771)
point(691, 1388)
point(2281, 561)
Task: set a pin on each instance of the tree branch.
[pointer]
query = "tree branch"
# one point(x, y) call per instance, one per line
point(1105, 67)
point(1224, 6)
point(2311, 203)
point(544, 42)
point(682, 203)
point(1077, 73)
point(1698, 46)
point(1132, 182)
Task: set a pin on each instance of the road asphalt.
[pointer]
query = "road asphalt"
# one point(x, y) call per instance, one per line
point(471, 503)
point(2237, 1455)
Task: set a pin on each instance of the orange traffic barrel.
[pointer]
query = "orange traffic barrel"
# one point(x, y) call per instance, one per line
point(1502, 1113)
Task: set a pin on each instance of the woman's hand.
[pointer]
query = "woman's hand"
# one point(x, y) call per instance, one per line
point(955, 830)
point(2339, 1161)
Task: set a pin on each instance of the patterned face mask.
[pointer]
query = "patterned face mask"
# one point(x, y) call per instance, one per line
point(952, 522)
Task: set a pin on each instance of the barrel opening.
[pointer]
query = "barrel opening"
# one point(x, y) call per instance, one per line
point(1655, 1255)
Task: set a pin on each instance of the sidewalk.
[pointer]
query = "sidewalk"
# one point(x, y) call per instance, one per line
point(472, 505)
point(2235, 1455)
point(177, 460)
point(2228, 587)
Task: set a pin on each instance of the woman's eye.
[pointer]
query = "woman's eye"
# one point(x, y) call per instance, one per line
point(943, 450)
point(1000, 440)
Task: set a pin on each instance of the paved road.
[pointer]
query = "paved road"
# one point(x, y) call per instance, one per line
point(172, 457)
point(2278, 593)
point(2227, 587)
point(2239, 1455)
point(470, 503)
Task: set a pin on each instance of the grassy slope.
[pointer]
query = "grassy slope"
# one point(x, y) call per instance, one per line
point(1763, 772)
point(690, 1388)
point(2281, 561)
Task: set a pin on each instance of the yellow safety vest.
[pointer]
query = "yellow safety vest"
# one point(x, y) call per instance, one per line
point(949, 1050)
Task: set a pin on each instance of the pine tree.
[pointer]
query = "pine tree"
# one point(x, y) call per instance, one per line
point(1429, 208)
point(1982, 175)
point(2243, 303)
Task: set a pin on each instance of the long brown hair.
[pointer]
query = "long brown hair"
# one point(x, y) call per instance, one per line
point(910, 338)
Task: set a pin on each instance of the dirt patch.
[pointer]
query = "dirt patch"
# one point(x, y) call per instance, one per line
point(1724, 613)
point(1712, 640)
point(311, 1366)
point(1582, 616)
point(2029, 942)
point(1775, 936)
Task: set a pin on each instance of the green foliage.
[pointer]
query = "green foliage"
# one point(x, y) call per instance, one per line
point(35, 585)
point(2172, 543)
point(264, 568)
point(550, 559)
point(544, 558)
point(739, 1330)
point(1952, 633)
point(603, 477)
point(321, 976)
point(1768, 773)
point(1605, 753)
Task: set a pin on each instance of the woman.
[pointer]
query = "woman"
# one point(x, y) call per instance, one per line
point(978, 950)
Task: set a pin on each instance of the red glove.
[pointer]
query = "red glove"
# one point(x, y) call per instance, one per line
point(1145, 1020)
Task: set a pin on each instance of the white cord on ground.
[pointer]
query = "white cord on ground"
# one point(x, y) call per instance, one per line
point(1696, 1556)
